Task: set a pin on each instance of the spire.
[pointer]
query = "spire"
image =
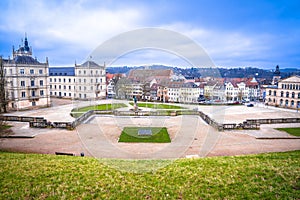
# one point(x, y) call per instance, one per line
point(26, 47)
point(277, 71)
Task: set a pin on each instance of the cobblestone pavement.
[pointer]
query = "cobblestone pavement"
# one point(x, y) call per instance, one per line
point(191, 137)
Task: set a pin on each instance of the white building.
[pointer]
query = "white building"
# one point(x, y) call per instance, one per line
point(26, 80)
point(186, 92)
point(86, 81)
point(286, 94)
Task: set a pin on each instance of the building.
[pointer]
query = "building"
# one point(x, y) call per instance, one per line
point(285, 94)
point(26, 79)
point(86, 81)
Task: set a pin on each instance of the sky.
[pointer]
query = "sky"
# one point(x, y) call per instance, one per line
point(233, 33)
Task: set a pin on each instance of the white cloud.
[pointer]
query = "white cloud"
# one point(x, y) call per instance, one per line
point(69, 26)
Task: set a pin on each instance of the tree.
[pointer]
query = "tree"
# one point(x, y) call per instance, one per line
point(3, 100)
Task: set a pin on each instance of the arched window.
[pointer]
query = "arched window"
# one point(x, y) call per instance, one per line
point(281, 102)
point(270, 100)
point(287, 94)
point(292, 103)
point(281, 93)
point(273, 100)
point(293, 94)
point(274, 93)
point(270, 92)
point(293, 86)
point(286, 102)
point(296, 87)
point(299, 95)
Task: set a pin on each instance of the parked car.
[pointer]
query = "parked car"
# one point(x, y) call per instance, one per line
point(250, 105)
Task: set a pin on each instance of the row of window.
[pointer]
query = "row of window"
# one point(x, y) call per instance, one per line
point(287, 103)
point(33, 93)
point(32, 83)
point(70, 80)
point(31, 71)
point(91, 72)
point(60, 94)
point(70, 87)
point(287, 94)
point(290, 86)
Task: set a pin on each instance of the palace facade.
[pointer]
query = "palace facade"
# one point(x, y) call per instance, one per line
point(26, 80)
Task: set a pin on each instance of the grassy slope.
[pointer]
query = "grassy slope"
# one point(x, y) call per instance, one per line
point(78, 112)
point(157, 105)
point(265, 176)
point(291, 131)
point(130, 134)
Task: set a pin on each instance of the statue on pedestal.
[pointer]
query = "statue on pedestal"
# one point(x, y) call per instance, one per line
point(135, 104)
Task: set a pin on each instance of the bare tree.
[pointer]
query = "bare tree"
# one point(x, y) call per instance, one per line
point(3, 100)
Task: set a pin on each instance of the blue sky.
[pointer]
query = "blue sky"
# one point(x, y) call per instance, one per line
point(234, 33)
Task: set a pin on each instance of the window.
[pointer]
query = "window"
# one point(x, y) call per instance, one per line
point(69, 94)
point(293, 94)
point(64, 80)
point(33, 93)
point(23, 84)
point(50, 79)
point(65, 94)
point(287, 94)
point(270, 92)
point(79, 72)
point(22, 71)
point(32, 83)
point(42, 92)
point(31, 71)
point(23, 94)
point(65, 87)
point(79, 80)
point(50, 86)
point(59, 80)
point(59, 87)
point(40, 71)
point(41, 82)
point(55, 86)
point(281, 93)
point(299, 95)
point(91, 80)
point(69, 87)
point(84, 72)
point(69, 80)
point(84, 80)
point(292, 103)
point(274, 93)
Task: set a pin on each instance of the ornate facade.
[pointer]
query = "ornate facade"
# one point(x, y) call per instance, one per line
point(26, 80)
point(286, 94)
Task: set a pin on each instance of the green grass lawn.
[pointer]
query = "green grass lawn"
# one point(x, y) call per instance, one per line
point(159, 135)
point(264, 176)
point(291, 131)
point(157, 105)
point(78, 112)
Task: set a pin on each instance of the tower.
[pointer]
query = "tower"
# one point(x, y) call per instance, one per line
point(276, 76)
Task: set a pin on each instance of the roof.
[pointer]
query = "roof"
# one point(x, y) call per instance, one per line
point(138, 74)
point(89, 64)
point(26, 60)
point(61, 71)
point(294, 79)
